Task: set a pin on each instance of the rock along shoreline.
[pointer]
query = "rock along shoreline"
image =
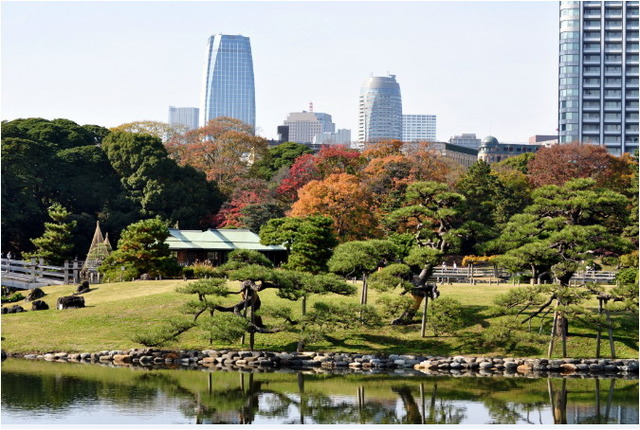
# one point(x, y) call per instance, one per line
point(257, 361)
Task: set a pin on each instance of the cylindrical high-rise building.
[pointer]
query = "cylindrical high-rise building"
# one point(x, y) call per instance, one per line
point(228, 86)
point(380, 109)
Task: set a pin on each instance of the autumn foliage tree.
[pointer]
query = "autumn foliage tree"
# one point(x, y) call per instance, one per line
point(223, 149)
point(561, 163)
point(342, 198)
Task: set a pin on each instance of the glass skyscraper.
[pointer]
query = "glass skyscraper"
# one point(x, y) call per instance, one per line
point(380, 109)
point(228, 86)
point(598, 79)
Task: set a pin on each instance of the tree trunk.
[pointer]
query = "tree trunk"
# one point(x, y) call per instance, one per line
point(599, 334)
point(410, 312)
point(252, 334)
point(611, 344)
point(423, 326)
point(553, 333)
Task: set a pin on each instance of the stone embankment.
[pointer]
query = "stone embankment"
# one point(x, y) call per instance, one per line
point(351, 362)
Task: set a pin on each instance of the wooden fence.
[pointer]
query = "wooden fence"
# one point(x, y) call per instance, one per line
point(473, 275)
point(35, 273)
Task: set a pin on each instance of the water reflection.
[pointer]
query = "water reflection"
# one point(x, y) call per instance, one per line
point(46, 390)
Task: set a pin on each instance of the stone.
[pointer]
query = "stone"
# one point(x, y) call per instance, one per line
point(35, 294)
point(596, 368)
point(39, 305)
point(70, 302)
point(83, 288)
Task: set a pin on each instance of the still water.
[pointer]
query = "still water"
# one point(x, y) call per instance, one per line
point(51, 393)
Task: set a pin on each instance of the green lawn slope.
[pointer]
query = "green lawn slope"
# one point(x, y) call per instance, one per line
point(115, 312)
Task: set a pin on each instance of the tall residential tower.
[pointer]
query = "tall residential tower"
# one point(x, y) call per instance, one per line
point(380, 110)
point(598, 86)
point(228, 86)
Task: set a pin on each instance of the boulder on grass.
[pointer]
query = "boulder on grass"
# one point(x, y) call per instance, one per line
point(15, 309)
point(39, 305)
point(83, 288)
point(35, 294)
point(70, 302)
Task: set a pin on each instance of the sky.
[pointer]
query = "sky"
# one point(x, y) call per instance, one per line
point(481, 67)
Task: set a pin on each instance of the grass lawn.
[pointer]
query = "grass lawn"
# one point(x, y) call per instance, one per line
point(115, 312)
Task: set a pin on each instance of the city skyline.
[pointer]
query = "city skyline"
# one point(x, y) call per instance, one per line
point(481, 67)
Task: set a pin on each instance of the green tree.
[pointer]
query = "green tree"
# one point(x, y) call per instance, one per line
point(563, 230)
point(28, 169)
point(309, 241)
point(279, 157)
point(141, 250)
point(55, 245)
point(58, 133)
point(362, 258)
point(54, 161)
point(435, 216)
point(156, 184)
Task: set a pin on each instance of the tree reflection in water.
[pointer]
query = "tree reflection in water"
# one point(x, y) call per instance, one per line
point(217, 397)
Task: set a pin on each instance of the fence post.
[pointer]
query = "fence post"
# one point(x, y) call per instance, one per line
point(33, 268)
point(65, 272)
point(76, 271)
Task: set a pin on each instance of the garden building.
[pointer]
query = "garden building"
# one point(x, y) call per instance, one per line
point(214, 245)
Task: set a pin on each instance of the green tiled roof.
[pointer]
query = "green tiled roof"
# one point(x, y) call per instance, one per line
point(219, 240)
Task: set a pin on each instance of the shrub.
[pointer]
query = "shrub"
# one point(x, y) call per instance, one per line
point(239, 258)
point(627, 276)
point(126, 272)
point(509, 336)
point(629, 260)
point(445, 316)
point(393, 305)
point(226, 328)
point(203, 270)
point(610, 261)
point(15, 297)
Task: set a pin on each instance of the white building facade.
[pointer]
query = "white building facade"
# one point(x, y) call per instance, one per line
point(304, 126)
point(420, 128)
point(185, 116)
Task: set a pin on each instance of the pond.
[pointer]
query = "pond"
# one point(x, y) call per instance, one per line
point(41, 393)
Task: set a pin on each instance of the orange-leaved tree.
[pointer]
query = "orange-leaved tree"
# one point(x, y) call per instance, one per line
point(342, 197)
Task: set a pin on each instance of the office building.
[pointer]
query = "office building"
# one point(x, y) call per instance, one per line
point(461, 155)
point(492, 151)
point(184, 116)
point(380, 107)
point(598, 75)
point(303, 126)
point(228, 85)
point(544, 139)
point(421, 128)
point(339, 137)
point(468, 140)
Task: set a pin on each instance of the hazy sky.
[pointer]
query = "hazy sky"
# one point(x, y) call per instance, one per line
point(481, 67)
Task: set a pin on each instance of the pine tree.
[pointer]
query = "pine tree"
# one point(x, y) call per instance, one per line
point(55, 244)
